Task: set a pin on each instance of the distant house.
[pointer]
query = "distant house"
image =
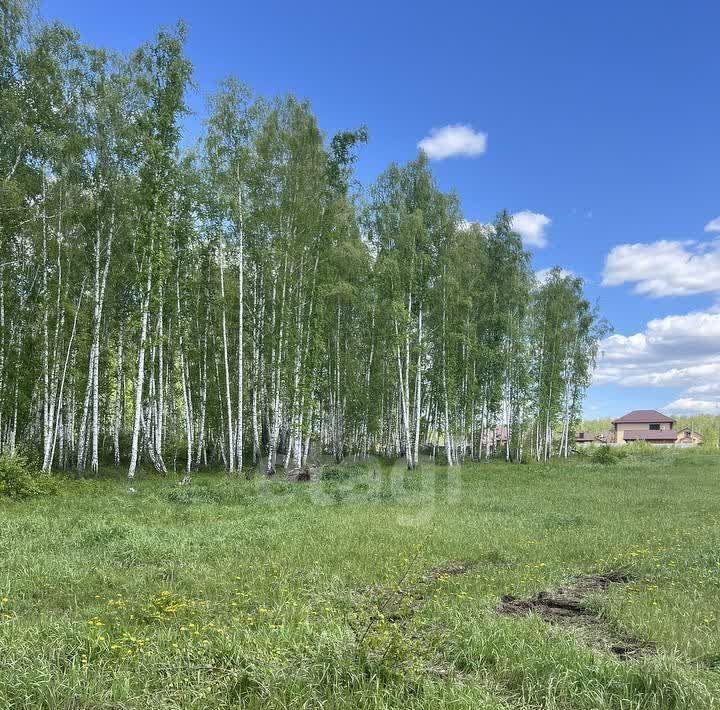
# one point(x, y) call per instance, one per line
point(688, 437)
point(583, 438)
point(501, 437)
point(644, 425)
point(494, 438)
point(651, 426)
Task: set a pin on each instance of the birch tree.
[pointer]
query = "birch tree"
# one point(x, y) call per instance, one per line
point(174, 305)
point(161, 80)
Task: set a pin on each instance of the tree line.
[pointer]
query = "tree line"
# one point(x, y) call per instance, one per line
point(244, 300)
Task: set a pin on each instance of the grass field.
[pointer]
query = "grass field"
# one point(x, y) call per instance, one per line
point(375, 590)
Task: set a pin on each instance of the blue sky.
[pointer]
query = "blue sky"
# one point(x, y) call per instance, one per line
point(602, 117)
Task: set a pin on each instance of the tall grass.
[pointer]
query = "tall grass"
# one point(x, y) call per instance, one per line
point(250, 594)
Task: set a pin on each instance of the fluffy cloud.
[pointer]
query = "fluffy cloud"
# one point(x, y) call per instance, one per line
point(456, 139)
point(713, 225)
point(680, 351)
point(665, 268)
point(688, 405)
point(531, 227)
point(711, 388)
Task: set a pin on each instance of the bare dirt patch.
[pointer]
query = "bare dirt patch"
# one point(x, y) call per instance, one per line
point(569, 606)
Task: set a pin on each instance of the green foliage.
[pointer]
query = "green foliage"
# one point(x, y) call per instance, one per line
point(227, 493)
point(20, 479)
point(262, 601)
point(607, 455)
point(187, 495)
point(249, 268)
point(337, 472)
point(643, 450)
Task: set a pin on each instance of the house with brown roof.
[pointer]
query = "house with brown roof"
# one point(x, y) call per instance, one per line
point(688, 437)
point(583, 438)
point(654, 427)
point(644, 425)
point(494, 438)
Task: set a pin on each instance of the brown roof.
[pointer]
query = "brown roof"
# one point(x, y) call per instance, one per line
point(687, 431)
point(585, 436)
point(643, 416)
point(646, 435)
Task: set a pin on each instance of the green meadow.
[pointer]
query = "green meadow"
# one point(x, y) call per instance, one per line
point(372, 587)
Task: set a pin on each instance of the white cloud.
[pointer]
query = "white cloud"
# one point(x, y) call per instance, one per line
point(531, 227)
point(543, 274)
point(711, 388)
point(688, 405)
point(681, 351)
point(457, 139)
point(665, 268)
point(713, 225)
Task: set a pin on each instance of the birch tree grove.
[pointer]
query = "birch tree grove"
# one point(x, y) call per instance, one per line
point(237, 299)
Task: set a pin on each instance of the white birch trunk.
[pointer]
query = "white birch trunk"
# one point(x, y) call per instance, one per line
point(119, 396)
point(226, 363)
point(137, 415)
point(418, 388)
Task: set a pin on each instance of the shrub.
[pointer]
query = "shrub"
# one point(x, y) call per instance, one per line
point(606, 455)
point(20, 479)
